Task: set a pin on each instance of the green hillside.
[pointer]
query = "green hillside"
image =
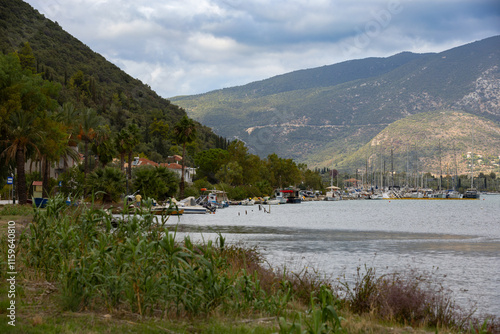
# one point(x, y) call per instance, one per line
point(300, 117)
point(89, 80)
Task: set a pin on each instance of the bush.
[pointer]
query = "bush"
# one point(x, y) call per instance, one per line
point(159, 183)
point(408, 297)
point(108, 184)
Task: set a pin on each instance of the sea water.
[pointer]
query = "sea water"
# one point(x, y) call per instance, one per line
point(458, 241)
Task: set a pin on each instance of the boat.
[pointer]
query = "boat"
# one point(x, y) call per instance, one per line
point(248, 201)
point(332, 194)
point(167, 210)
point(453, 194)
point(272, 201)
point(376, 196)
point(189, 206)
point(291, 195)
point(281, 199)
point(213, 199)
point(472, 194)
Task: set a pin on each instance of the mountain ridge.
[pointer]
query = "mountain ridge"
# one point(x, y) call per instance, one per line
point(340, 119)
point(88, 80)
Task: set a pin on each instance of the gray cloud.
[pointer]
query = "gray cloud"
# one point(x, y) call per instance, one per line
point(193, 46)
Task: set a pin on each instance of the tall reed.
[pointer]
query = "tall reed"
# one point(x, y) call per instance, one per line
point(136, 263)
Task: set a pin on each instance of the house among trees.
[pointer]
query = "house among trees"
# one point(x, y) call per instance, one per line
point(172, 164)
point(55, 168)
point(139, 162)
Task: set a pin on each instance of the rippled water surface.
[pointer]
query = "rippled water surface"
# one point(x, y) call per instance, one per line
point(457, 240)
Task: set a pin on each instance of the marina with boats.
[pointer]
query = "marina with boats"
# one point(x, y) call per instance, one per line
point(213, 200)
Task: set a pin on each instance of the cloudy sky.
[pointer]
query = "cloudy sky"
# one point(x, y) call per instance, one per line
point(182, 47)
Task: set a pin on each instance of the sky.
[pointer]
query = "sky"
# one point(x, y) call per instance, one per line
point(184, 47)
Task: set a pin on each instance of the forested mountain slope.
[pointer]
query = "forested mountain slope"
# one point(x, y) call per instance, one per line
point(89, 80)
point(314, 114)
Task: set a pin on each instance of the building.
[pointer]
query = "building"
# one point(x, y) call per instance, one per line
point(56, 168)
point(189, 172)
point(172, 164)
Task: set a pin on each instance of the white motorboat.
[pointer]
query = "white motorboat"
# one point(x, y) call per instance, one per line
point(248, 201)
point(189, 206)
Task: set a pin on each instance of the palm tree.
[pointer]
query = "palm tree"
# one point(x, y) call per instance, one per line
point(22, 136)
point(103, 145)
point(68, 116)
point(120, 145)
point(89, 122)
point(184, 132)
point(54, 146)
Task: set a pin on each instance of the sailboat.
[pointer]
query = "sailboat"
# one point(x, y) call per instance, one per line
point(472, 193)
point(330, 194)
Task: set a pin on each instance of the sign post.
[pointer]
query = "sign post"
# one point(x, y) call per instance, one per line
point(10, 180)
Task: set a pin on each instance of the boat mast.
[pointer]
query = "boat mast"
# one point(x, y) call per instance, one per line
point(472, 160)
point(392, 167)
point(440, 169)
point(331, 174)
point(456, 168)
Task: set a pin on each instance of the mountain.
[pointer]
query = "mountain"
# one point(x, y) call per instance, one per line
point(330, 112)
point(420, 142)
point(88, 79)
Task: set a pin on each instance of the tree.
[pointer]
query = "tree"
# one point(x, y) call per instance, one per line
point(155, 182)
point(24, 100)
point(120, 145)
point(209, 162)
point(107, 184)
point(102, 145)
point(87, 132)
point(24, 134)
point(184, 132)
point(26, 58)
point(282, 172)
point(55, 145)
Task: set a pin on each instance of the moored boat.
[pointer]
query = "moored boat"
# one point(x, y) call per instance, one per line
point(332, 194)
point(472, 194)
point(291, 195)
point(189, 206)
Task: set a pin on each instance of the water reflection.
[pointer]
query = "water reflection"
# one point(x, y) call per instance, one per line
point(460, 240)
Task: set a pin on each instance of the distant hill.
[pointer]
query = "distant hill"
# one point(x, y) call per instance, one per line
point(332, 111)
point(88, 79)
point(419, 142)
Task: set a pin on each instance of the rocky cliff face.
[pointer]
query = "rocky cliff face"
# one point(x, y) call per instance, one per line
point(485, 98)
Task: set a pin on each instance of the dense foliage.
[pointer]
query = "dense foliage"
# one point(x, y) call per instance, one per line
point(87, 80)
point(36, 127)
point(70, 97)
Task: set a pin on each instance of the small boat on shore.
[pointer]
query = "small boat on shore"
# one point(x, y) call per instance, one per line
point(291, 195)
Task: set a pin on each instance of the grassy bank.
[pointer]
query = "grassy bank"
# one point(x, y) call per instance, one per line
point(82, 271)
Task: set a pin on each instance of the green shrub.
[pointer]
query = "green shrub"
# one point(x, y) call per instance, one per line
point(108, 184)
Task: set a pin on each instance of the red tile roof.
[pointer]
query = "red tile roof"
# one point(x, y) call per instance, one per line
point(171, 166)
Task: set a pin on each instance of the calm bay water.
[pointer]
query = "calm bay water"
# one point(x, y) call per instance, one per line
point(458, 241)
